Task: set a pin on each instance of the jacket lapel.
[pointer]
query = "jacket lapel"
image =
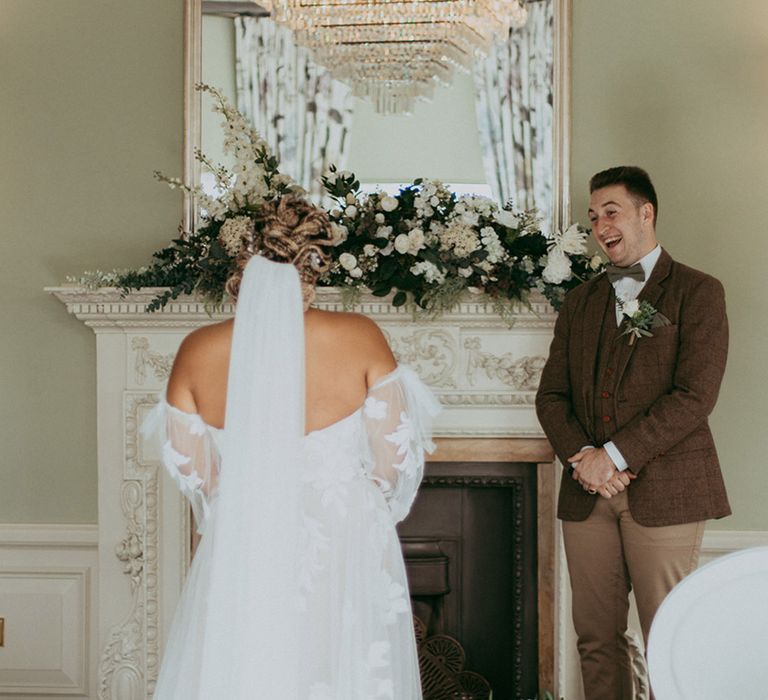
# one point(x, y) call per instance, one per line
point(594, 312)
point(651, 293)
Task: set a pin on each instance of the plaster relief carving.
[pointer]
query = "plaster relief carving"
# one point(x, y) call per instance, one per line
point(432, 353)
point(159, 363)
point(129, 662)
point(522, 374)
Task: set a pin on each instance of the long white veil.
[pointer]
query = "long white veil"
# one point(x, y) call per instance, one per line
point(251, 642)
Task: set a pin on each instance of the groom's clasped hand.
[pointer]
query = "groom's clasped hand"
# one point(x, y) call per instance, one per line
point(597, 474)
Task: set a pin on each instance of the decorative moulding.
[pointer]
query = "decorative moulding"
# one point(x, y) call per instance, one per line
point(484, 369)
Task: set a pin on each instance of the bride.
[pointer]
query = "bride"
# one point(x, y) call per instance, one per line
point(300, 444)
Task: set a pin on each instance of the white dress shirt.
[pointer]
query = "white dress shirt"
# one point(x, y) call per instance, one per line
point(627, 289)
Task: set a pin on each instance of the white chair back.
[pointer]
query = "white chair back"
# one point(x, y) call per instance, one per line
point(709, 639)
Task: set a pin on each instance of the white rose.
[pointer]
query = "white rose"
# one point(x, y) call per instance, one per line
point(356, 273)
point(383, 231)
point(630, 308)
point(350, 212)
point(351, 199)
point(348, 261)
point(339, 233)
point(506, 218)
point(416, 238)
point(402, 243)
point(335, 213)
point(370, 249)
point(388, 203)
point(434, 201)
point(595, 262)
point(379, 218)
point(465, 272)
point(558, 268)
point(387, 250)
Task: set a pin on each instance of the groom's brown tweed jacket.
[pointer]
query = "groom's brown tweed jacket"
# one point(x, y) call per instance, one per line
point(652, 398)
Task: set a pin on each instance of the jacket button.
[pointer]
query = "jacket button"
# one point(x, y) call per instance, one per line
point(606, 419)
point(605, 395)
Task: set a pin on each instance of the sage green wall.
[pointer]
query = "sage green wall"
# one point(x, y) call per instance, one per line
point(90, 104)
point(680, 88)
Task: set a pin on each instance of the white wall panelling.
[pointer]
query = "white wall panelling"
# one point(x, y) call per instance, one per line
point(47, 598)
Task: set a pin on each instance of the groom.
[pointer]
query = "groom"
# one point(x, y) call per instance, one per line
point(633, 372)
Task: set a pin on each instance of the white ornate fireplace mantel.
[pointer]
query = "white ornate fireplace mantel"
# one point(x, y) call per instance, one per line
point(484, 372)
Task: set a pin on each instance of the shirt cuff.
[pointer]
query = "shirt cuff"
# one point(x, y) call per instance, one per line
point(616, 457)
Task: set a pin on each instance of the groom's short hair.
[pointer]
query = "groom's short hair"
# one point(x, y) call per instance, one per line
point(636, 181)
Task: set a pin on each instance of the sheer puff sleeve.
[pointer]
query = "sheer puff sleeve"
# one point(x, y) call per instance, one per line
point(398, 413)
point(189, 453)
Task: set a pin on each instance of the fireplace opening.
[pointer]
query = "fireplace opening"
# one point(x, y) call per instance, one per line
point(470, 546)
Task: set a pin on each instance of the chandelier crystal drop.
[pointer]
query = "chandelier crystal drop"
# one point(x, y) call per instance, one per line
point(396, 51)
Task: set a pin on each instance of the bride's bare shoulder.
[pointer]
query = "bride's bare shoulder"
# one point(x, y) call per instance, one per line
point(200, 354)
point(359, 336)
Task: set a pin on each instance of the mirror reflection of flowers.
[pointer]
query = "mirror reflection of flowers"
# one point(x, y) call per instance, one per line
point(425, 246)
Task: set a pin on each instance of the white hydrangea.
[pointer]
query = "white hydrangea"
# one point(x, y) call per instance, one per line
point(234, 232)
point(431, 272)
point(460, 237)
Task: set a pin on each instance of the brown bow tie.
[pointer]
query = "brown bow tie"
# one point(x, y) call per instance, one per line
point(615, 273)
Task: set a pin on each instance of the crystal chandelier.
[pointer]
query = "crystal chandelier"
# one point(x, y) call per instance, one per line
point(396, 51)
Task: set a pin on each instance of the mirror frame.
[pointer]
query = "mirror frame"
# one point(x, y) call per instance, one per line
point(561, 123)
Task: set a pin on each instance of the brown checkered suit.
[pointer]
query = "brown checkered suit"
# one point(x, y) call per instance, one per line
point(652, 399)
point(665, 387)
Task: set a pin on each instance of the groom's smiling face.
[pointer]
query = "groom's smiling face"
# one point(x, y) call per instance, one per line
point(622, 226)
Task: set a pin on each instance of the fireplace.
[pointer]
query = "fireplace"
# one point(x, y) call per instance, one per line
point(492, 473)
point(477, 559)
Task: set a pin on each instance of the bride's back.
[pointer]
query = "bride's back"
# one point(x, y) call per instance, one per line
point(345, 354)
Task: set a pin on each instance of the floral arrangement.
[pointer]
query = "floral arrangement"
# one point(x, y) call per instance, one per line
point(640, 317)
point(425, 244)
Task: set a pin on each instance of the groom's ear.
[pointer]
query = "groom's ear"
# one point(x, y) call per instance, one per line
point(646, 211)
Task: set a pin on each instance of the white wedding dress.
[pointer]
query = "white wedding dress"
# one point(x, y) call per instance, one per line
point(327, 616)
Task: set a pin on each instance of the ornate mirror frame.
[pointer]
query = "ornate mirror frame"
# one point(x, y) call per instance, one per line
point(193, 30)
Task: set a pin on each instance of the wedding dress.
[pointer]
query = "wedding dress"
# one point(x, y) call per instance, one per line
point(297, 590)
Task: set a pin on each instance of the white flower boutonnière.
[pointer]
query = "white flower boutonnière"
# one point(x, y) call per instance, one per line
point(640, 317)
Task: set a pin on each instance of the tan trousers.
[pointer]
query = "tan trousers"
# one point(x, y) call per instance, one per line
point(609, 555)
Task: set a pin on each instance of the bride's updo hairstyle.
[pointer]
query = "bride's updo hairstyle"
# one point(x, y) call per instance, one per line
point(288, 230)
